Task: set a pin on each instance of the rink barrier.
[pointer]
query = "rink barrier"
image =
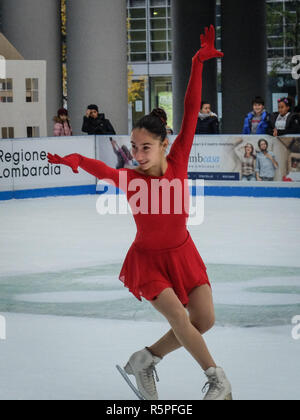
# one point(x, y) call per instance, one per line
point(98, 147)
point(209, 191)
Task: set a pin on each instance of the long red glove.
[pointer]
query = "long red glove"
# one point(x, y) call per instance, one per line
point(72, 161)
point(208, 49)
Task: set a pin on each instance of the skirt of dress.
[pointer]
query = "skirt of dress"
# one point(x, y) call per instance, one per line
point(146, 273)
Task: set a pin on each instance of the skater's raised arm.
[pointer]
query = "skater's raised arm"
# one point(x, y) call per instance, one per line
point(94, 167)
point(181, 148)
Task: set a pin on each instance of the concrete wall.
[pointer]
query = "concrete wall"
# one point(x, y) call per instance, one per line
point(20, 114)
point(97, 61)
point(189, 20)
point(244, 67)
point(33, 27)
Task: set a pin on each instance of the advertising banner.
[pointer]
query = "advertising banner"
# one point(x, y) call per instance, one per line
point(24, 164)
point(221, 158)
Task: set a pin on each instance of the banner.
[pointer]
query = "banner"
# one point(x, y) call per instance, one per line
point(221, 158)
point(24, 164)
point(246, 158)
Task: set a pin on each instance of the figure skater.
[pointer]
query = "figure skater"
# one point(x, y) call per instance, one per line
point(163, 264)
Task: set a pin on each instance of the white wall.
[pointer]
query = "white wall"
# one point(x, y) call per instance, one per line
point(20, 114)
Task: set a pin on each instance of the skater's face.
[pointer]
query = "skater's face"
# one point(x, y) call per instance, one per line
point(258, 108)
point(147, 150)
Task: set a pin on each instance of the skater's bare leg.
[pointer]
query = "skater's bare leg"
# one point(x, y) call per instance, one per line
point(185, 332)
point(202, 316)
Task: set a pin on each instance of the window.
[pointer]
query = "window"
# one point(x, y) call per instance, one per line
point(8, 132)
point(149, 30)
point(6, 90)
point(33, 132)
point(32, 90)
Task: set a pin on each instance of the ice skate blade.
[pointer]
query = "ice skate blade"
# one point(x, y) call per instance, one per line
point(129, 383)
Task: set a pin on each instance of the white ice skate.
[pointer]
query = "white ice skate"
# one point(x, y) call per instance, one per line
point(142, 365)
point(219, 386)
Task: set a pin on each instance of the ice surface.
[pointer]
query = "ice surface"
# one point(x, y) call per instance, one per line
point(70, 320)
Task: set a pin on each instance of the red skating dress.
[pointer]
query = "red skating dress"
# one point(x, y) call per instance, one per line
point(163, 254)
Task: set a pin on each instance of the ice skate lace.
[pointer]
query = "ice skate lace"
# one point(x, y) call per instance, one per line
point(213, 386)
point(148, 378)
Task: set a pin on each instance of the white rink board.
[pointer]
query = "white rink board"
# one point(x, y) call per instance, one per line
point(26, 160)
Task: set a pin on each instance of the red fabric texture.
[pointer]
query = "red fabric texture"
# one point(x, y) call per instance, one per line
point(147, 274)
point(163, 253)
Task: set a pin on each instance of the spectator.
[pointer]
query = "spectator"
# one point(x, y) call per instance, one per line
point(246, 155)
point(96, 123)
point(62, 126)
point(284, 121)
point(265, 163)
point(208, 122)
point(297, 110)
point(258, 120)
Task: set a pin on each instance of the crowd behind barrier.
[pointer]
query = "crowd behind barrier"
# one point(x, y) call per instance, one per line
point(230, 165)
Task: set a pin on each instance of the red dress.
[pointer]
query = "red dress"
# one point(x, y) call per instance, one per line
point(163, 253)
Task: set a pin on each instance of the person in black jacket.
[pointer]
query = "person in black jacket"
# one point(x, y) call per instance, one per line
point(95, 123)
point(208, 122)
point(284, 121)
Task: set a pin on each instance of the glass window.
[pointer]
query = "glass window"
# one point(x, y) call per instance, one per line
point(6, 90)
point(161, 96)
point(33, 132)
point(149, 22)
point(8, 132)
point(137, 36)
point(138, 47)
point(137, 3)
point(32, 90)
point(158, 12)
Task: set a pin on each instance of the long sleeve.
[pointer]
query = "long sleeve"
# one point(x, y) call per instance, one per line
point(181, 148)
point(100, 170)
point(57, 130)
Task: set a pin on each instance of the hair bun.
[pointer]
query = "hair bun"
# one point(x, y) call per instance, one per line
point(161, 114)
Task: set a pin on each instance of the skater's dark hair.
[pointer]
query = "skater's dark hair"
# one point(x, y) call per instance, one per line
point(155, 123)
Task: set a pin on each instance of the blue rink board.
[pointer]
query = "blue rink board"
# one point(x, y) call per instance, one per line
point(209, 190)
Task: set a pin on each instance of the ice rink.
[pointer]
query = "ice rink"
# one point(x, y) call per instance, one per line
point(69, 319)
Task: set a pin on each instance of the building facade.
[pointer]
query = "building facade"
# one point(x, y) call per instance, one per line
point(22, 94)
point(149, 26)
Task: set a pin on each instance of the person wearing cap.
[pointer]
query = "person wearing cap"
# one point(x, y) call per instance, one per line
point(62, 126)
point(96, 123)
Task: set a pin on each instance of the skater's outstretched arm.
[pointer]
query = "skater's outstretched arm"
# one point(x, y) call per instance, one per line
point(181, 148)
point(94, 167)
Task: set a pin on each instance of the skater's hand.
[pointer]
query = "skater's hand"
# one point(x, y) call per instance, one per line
point(71, 160)
point(208, 49)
